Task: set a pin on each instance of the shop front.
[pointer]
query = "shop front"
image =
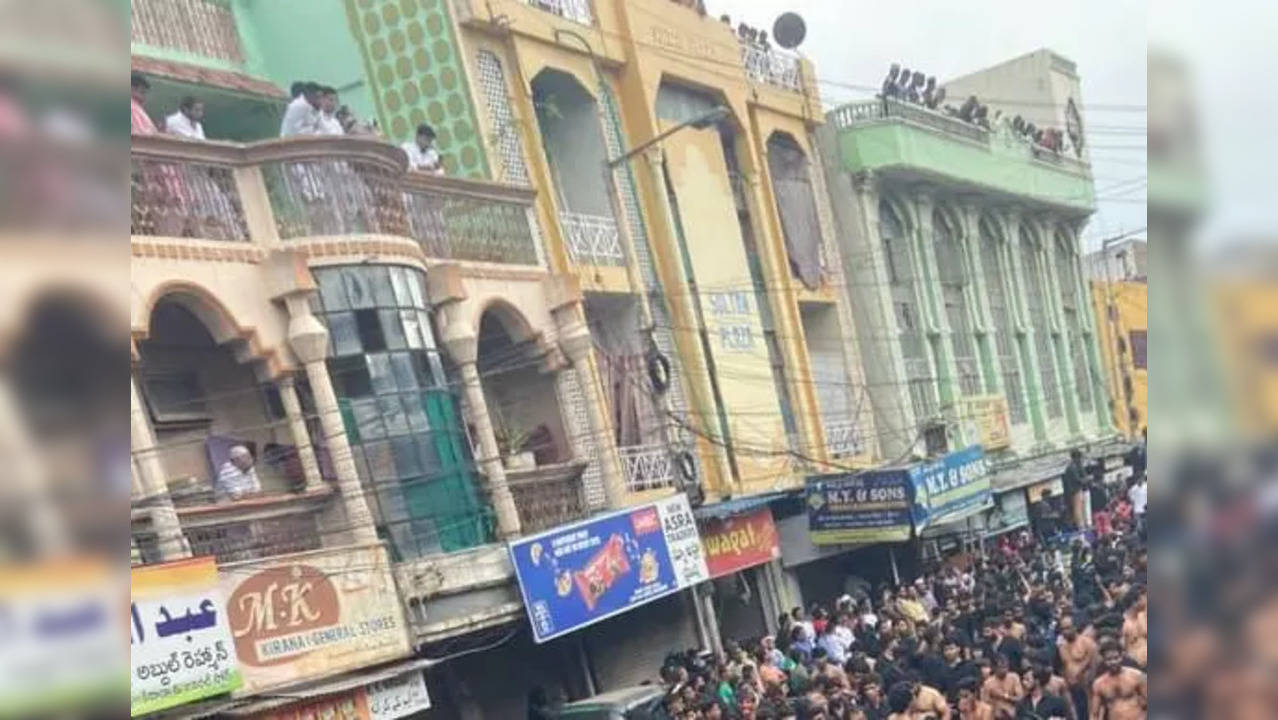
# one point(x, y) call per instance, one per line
point(741, 551)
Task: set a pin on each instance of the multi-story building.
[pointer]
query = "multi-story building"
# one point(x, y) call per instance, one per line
point(1120, 296)
point(961, 239)
point(625, 284)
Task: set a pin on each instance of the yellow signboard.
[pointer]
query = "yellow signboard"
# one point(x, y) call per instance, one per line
point(984, 421)
point(314, 614)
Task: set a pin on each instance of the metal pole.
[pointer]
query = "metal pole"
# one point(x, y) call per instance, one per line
point(896, 574)
point(584, 657)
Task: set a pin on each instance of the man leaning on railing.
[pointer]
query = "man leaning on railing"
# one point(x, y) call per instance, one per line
point(237, 477)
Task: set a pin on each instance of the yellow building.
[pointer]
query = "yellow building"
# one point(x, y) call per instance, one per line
point(1122, 326)
point(1244, 313)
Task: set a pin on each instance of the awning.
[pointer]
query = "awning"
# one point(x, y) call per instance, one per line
point(953, 523)
point(279, 697)
point(738, 506)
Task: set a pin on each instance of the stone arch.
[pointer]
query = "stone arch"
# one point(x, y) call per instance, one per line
point(511, 319)
point(900, 210)
point(217, 319)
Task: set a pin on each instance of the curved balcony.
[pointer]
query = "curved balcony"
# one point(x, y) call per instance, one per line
point(303, 187)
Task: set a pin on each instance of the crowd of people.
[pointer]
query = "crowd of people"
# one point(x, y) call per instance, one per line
point(1037, 629)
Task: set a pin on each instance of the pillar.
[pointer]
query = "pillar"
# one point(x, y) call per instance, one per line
point(309, 342)
point(154, 483)
point(574, 340)
point(301, 435)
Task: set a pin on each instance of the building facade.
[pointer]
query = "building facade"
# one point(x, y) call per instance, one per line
point(422, 367)
point(961, 239)
point(1120, 296)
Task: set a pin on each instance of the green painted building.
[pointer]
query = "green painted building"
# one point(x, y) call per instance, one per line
point(961, 243)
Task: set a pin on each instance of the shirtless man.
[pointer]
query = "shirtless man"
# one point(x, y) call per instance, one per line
point(1002, 690)
point(1119, 693)
point(1078, 658)
point(929, 701)
point(1058, 687)
point(1136, 629)
point(970, 704)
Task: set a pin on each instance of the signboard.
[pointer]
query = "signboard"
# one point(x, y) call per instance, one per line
point(180, 647)
point(313, 614)
point(956, 485)
point(1010, 512)
point(579, 574)
point(739, 542)
point(984, 420)
point(868, 507)
point(390, 699)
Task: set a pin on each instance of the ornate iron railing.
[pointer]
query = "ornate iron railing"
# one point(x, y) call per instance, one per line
point(592, 239)
point(842, 438)
point(771, 66)
point(334, 197)
point(185, 199)
point(647, 467)
point(200, 27)
point(459, 227)
point(547, 495)
point(575, 10)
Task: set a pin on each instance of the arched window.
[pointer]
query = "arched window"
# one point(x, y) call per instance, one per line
point(1067, 277)
point(1001, 316)
point(1035, 302)
point(900, 277)
point(953, 275)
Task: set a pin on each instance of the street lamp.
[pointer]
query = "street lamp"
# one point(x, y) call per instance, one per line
point(706, 119)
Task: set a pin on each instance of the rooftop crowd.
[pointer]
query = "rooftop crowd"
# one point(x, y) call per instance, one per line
point(1037, 629)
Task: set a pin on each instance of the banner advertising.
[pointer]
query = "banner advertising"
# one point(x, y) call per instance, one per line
point(985, 421)
point(180, 640)
point(313, 614)
point(576, 575)
point(867, 507)
point(739, 542)
point(956, 485)
point(390, 699)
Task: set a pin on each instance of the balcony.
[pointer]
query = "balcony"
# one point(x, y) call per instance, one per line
point(647, 467)
point(912, 143)
point(592, 239)
point(772, 66)
point(547, 495)
point(324, 187)
point(576, 10)
point(842, 438)
point(204, 28)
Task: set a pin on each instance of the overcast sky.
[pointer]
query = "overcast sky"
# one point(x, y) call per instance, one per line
point(853, 43)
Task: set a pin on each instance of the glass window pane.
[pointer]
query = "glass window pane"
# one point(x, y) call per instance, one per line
point(368, 418)
point(369, 327)
point(392, 329)
point(393, 415)
point(330, 290)
point(431, 464)
point(350, 376)
point(357, 290)
point(411, 331)
point(417, 420)
point(399, 283)
point(427, 367)
point(381, 464)
point(379, 372)
point(405, 376)
point(379, 281)
point(344, 337)
point(407, 462)
point(417, 288)
point(428, 330)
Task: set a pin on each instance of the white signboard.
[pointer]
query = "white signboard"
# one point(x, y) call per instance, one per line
point(683, 540)
point(398, 697)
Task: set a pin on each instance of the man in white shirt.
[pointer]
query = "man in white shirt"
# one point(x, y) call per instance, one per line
point(1138, 494)
point(328, 122)
point(237, 477)
point(421, 151)
point(187, 120)
point(302, 116)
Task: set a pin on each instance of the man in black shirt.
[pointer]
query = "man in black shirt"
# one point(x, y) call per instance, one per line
point(1073, 480)
point(1038, 704)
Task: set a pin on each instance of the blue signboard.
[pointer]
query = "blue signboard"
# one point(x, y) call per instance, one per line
point(889, 504)
point(579, 574)
point(952, 487)
point(873, 506)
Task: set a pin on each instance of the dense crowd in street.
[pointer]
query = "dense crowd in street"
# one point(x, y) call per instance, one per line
point(1040, 628)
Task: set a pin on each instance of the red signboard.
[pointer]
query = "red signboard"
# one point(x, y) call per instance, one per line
point(739, 542)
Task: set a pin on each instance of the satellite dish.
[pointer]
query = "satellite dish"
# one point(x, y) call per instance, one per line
point(789, 30)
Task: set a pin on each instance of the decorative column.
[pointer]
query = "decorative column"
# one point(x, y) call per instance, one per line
point(1031, 377)
point(1060, 329)
point(574, 340)
point(978, 298)
point(301, 435)
point(155, 488)
point(938, 332)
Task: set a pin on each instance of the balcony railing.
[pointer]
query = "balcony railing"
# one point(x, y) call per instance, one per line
point(547, 495)
point(592, 239)
point(842, 438)
point(771, 66)
point(575, 10)
point(647, 467)
point(199, 27)
point(326, 186)
point(869, 111)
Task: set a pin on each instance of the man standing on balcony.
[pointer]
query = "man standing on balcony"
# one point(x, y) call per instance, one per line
point(187, 120)
point(302, 116)
point(237, 477)
point(139, 122)
point(421, 152)
point(328, 123)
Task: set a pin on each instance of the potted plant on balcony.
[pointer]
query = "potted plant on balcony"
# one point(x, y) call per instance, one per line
point(512, 436)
